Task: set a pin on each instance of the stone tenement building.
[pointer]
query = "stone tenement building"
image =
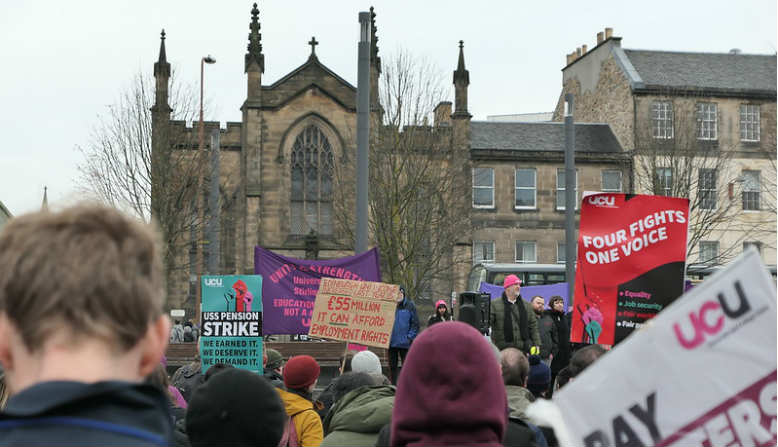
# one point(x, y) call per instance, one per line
point(279, 165)
point(698, 125)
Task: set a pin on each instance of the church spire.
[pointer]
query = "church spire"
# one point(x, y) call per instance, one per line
point(374, 59)
point(375, 68)
point(461, 81)
point(254, 53)
point(162, 67)
point(161, 76)
point(461, 75)
point(45, 204)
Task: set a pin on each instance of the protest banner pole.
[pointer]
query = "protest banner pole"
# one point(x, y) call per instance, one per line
point(570, 180)
point(343, 360)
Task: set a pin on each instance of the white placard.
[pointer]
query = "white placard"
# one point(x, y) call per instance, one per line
point(703, 372)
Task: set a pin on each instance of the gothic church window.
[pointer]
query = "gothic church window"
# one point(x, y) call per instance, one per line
point(311, 195)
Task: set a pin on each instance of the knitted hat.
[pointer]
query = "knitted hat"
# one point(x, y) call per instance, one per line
point(274, 359)
point(450, 396)
point(510, 280)
point(235, 407)
point(300, 372)
point(366, 362)
point(539, 376)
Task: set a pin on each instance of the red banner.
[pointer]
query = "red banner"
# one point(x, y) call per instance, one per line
point(630, 265)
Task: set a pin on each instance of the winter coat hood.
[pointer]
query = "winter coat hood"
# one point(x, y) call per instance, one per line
point(449, 372)
point(358, 416)
point(519, 399)
point(307, 423)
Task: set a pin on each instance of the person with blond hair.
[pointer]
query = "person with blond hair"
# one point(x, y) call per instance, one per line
point(81, 326)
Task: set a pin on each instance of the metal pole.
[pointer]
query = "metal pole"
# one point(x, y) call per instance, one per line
point(570, 181)
point(363, 130)
point(199, 199)
point(214, 221)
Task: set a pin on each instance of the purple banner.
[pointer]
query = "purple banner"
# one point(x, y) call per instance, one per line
point(527, 292)
point(289, 285)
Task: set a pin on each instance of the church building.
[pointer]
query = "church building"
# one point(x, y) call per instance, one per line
point(279, 170)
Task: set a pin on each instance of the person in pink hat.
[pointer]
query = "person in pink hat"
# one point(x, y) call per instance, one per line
point(513, 321)
point(441, 314)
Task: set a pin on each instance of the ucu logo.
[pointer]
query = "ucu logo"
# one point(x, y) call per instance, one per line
point(213, 282)
point(602, 200)
point(709, 319)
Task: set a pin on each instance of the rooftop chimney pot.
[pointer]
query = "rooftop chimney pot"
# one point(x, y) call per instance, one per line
point(600, 37)
point(608, 33)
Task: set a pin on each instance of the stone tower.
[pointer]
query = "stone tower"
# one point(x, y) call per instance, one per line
point(160, 112)
point(252, 138)
point(461, 117)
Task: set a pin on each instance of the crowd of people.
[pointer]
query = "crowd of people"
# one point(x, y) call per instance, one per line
point(83, 335)
point(184, 333)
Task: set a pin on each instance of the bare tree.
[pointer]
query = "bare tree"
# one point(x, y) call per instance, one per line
point(680, 155)
point(416, 205)
point(122, 168)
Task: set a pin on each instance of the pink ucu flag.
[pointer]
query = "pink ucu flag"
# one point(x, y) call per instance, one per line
point(710, 318)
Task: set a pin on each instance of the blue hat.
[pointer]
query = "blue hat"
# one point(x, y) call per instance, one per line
point(539, 377)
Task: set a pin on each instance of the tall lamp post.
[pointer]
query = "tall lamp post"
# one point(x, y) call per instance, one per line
point(363, 131)
point(570, 197)
point(200, 202)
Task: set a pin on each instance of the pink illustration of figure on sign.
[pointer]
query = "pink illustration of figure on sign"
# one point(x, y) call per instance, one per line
point(592, 320)
point(243, 297)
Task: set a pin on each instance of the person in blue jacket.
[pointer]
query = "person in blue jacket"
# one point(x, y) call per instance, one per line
point(406, 327)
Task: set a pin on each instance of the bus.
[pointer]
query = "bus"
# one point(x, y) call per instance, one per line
point(530, 274)
point(540, 274)
point(696, 273)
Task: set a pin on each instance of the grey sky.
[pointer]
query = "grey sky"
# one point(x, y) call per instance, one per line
point(64, 62)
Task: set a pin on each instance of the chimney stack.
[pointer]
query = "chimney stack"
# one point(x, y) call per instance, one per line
point(442, 113)
point(608, 33)
point(583, 49)
point(578, 52)
point(600, 37)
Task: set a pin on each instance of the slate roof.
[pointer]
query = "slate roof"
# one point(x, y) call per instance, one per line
point(714, 72)
point(543, 136)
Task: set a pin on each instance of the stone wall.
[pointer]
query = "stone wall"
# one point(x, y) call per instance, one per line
point(283, 126)
point(609, 102)
point(545, 225)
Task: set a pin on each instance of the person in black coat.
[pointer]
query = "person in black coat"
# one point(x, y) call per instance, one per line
point(441, 314)
point(562, 323)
